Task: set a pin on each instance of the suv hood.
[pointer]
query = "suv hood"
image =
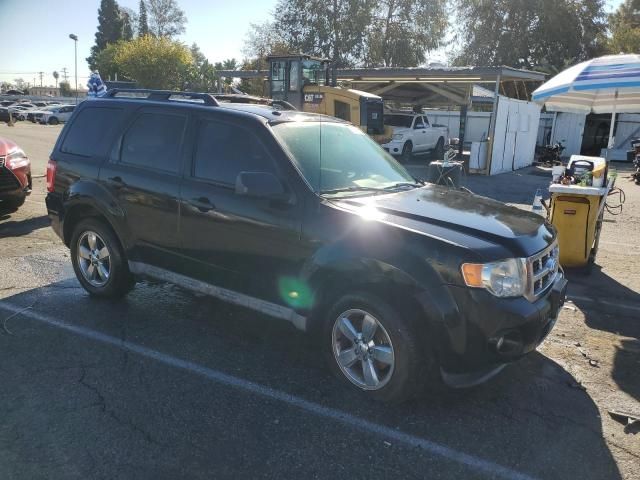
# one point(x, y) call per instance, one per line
point(458, 217)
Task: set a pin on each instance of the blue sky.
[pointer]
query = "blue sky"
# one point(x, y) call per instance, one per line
point(40, 31)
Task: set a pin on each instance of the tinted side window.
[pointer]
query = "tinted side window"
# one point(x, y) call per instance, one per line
point(426, 120)
point(154, 141)
point(223, 151)
point(419, 123)
point(90, 130)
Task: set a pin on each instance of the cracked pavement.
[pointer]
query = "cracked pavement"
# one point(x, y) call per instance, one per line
point(79, 408)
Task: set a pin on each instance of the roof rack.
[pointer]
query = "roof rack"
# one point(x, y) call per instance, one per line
point(165, 95)
point(244, 98)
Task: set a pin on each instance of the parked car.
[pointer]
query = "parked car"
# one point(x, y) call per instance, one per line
point(304, 218)
point(55, 114)
point(413, 133)
point(15, 175)
point(7, 103)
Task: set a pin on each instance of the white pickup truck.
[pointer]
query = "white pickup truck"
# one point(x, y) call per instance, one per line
point(413, 133)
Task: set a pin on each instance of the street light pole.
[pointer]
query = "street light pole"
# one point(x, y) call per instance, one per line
point(75, 40)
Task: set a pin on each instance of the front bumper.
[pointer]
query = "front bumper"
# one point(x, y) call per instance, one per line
point(394, 147)
point(491, 332)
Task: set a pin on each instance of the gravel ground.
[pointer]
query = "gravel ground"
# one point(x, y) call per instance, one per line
point(77, 407)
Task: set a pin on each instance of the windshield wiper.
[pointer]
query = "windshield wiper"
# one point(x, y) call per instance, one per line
point(354, 188)
point(403, 184)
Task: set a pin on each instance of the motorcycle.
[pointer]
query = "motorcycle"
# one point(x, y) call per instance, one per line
point(550, 154)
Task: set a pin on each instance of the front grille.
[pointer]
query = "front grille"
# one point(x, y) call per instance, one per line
point(8, 180)
point(542, 270)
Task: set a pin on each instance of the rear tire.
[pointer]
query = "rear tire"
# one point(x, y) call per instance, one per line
point(391, 352)
point(53, 121)
point(99, 261)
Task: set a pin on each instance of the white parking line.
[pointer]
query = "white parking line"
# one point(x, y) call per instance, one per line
point(486, 466)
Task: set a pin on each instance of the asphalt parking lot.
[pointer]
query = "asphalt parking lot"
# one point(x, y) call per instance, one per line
point(166, 384)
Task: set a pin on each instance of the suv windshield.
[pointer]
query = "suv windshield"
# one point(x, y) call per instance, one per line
point(337, 158)
point(398, 120)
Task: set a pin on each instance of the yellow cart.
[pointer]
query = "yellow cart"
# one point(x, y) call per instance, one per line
point(577, 214)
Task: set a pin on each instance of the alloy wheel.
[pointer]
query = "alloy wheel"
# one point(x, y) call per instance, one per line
point(94, 259)
point(363, 349)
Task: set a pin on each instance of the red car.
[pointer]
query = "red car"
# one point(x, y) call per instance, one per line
point(15, 175)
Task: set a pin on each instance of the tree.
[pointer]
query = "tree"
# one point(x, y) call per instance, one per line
point(128, 22)
point(534, 34)
point(624, 24)
point(20, 83)
point(334, 29)
point(402, 31)
point(166, 18)
point(153, 62)
point(143, 23)
point(56, 76)
point(65, 89)
point(110, 29)
point(202, 75)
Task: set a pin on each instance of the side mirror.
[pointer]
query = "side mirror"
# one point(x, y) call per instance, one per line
point(260, 185)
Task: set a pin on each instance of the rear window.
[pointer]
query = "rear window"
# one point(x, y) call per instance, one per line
point(398, 120)
point(90, 131)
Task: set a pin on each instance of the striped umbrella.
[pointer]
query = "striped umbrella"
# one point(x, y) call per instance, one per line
point(609, 84)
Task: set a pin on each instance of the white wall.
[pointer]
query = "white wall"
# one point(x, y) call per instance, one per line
point(517, 126)
point(477, 127)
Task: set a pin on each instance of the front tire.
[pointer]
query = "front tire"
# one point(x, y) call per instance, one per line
point(99, 261)
point(438, 152)
point(407, 152)
point(370, 346)
point(53, 121)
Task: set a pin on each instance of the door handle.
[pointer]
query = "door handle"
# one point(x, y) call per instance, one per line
point(203, 204)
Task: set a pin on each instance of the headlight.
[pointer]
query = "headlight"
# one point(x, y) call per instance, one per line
point(397, 136)
point(506, 278)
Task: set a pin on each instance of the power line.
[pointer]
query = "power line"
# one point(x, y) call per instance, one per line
point(41, 74)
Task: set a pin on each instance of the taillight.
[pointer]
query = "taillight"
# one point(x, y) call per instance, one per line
point(52, 166)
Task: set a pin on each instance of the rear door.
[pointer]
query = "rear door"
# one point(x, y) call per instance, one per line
point(143, 174)
point(245, 244)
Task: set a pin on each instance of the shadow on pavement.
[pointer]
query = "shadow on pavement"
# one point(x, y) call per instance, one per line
point(596, 287)
point(533, 417)
point(13, 228)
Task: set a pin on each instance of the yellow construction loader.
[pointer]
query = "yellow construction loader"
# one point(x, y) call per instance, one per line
point(306, 83)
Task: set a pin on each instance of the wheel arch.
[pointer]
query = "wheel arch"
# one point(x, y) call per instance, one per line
point(88, 200)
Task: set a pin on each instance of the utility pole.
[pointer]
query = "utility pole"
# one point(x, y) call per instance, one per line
point(75, 42)
point(40, 74)
point(64, 74)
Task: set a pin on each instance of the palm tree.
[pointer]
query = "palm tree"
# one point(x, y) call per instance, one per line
point(56, 75)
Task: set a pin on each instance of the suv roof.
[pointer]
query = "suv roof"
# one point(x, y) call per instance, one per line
point(207, 101)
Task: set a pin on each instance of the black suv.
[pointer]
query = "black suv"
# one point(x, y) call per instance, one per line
point(303, 217)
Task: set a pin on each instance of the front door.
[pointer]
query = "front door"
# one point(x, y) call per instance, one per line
point(233, 241)
point(419, 134)
point(144, 176)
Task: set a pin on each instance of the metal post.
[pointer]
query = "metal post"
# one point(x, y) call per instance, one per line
point(611, 143)
point(492, 125)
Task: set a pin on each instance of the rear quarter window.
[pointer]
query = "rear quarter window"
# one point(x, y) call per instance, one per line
point(90, 131)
